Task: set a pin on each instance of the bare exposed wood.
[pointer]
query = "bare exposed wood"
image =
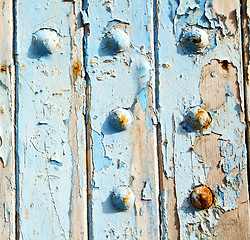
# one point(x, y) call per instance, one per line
point(7, 98)
point(122, 79)
point(210, 78)
point(246, 70)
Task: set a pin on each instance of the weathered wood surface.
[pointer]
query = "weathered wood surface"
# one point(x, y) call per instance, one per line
point(7, 98)
point(69, 156)
point(246, 58)
point(50, 123)
point(128, 157)
point(217, 156)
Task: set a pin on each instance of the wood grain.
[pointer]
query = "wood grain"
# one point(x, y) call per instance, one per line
point(51, 124)
point(124, 80)
point(7, 109)
point(216, 157)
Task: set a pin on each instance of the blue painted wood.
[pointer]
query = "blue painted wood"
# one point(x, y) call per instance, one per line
point(51, 135)
point(7, 96)
point(121, 76)
point(105, 149)
point(206, 72)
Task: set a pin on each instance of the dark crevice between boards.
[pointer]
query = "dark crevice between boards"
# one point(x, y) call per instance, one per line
point(16, 111)
point(245, 60)
point(89, 142)
point(157, 107)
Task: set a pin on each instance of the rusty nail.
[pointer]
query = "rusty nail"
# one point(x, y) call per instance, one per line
point(195, 40)
point(46, 40)
point(197, 119)
point(121, 118)
point(122, 197)
point(116, 40)
point(191, 149)
point(201, 197)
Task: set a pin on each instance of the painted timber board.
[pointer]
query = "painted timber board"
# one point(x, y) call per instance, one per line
point(50, 123)
point(215, 157)
point(61, 154)
point(122, 80)
point(7, 99)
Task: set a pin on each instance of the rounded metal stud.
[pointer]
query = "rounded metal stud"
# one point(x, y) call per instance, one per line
point(202, 197)
point(123, 198)
point(116, 40)
point(195, 40)
point(197, 119)
point(46, 40)
point(121, 118)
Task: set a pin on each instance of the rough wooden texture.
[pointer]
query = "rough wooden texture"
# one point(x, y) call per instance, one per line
point(217, 156)
point(245, 47)
point(51, 133)
point(125, 157)
point(7, 160)
point(69, 155)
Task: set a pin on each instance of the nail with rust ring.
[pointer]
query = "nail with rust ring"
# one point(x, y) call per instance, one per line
point(202, 197)
point(195, 40)
point(123, 198)
point(121, 118)
point(197, 119)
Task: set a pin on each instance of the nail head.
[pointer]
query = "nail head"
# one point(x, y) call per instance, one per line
point(201, 197)
point(123, 198)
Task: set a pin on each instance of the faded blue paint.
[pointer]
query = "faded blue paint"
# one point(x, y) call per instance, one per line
point(119, 79)
point(143, 98)
point(45, 95)
point(179, 90)
point(99, 153)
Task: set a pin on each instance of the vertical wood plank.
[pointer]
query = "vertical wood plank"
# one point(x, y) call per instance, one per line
point(7, 98)
point(215, 157)
point(128, 157)
point(245, 39)
point(51, 132)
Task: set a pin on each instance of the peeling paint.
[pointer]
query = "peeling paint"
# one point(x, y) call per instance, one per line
point(214, 82)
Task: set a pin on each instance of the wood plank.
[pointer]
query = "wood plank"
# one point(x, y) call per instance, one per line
point(204, 72)
point(51, 132)
point(7, 98)
point(246, 57)
point(122, 79)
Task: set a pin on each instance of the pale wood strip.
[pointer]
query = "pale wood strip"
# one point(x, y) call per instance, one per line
point(7, 109)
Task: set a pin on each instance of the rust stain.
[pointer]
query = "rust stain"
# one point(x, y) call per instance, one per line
point(191, 149)
point(202, 197)
point(201, 113)
point(225, 65)
point(27, 214)
point(126, 197)
point(76, 69)
point(198, 40)
point(123, 119)
point(107, 61)
point(166, 65)
point(119, 164)
point(4, 68)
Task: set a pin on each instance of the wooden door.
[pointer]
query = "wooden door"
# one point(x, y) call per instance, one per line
point(124, 119)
